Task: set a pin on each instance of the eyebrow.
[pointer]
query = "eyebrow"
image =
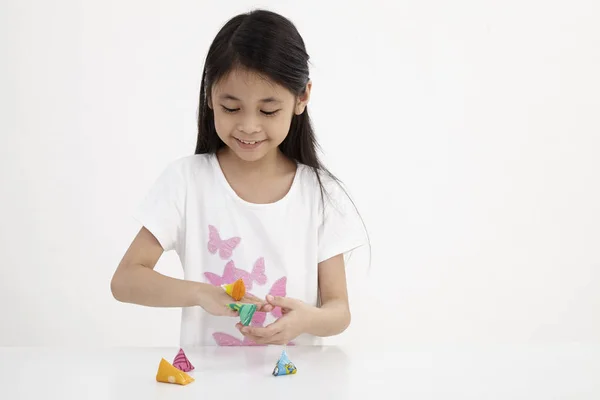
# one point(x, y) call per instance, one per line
point(265, 100)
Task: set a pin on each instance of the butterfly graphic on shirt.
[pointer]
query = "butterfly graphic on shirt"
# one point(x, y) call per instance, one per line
point(224, 247)
point(232, 274)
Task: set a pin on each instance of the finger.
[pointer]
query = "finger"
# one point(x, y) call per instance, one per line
point(280, 339)
point(275, 339)
point(253, 338)
point(260, 304)
point(257, 331)
point(250, 297)
point(259, 339)
point(261, 332)
point(265, 307)
point(283, 302)
point(252, 300)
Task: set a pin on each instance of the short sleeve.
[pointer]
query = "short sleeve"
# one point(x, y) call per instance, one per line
point(341, 229)
point(162, 209)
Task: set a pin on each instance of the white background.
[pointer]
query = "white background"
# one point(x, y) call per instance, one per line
point(467, 131)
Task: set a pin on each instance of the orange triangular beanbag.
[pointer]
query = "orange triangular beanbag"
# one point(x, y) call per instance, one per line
point(169, 374)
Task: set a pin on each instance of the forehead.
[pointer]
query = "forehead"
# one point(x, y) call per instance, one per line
point(248, 85)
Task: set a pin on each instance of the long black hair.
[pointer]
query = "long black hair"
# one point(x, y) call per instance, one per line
point(269, 44)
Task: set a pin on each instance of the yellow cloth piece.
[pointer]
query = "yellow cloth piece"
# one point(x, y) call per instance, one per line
point(167, 373)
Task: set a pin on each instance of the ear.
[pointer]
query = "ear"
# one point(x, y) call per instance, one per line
point(303, 99)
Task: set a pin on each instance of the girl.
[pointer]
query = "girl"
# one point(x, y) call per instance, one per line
point(253, 202)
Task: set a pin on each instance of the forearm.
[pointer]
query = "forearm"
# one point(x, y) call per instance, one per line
point(332, 318)
point(144, 286)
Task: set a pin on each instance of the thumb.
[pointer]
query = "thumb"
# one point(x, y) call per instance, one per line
point(283, 302)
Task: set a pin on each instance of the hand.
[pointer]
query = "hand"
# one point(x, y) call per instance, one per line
point(214, 300)
point(296, 319)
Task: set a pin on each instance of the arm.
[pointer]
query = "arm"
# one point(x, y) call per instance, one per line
point(333, 317)
point(136, 281)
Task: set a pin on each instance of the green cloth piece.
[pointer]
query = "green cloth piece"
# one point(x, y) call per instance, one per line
point(246, 312)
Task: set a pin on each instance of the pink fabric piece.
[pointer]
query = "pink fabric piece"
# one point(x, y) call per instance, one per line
point(182, 363)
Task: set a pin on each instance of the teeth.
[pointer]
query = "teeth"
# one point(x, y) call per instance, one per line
point(243, 141)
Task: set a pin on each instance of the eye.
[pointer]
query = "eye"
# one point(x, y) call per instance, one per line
point(229, 110)
point(269, 113)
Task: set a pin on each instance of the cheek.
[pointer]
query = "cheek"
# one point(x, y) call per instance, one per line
point(223, 125)
point(279, 128)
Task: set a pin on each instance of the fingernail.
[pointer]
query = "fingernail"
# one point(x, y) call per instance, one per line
point(269, 297)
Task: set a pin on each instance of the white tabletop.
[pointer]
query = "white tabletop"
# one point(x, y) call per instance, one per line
point(437, 372)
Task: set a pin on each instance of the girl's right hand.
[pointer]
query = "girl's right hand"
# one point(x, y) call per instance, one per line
point(214, 300)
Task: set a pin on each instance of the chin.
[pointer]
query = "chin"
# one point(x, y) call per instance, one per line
point(250, 155)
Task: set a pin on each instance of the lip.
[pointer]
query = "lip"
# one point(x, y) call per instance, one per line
point(246, 146)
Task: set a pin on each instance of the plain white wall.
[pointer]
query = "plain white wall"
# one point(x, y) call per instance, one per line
point(467, 131)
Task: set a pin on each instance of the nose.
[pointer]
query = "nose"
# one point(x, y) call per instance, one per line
point(249, 124)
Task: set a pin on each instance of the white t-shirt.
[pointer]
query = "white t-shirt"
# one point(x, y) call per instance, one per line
point(219, 237)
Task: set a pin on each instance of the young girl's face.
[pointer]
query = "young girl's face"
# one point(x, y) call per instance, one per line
point(253, 114)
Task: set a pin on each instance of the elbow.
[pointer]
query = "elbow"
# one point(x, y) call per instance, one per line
point(342, 322)
point(346, 320)
point(331, 319)
point(117, 286)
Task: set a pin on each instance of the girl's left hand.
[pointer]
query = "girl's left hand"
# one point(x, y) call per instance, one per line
point(296, 319)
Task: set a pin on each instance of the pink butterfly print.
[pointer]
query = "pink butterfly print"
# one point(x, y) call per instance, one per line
point(228, 275)
point(232, 274)
point(224, 339)
point(224, 247)
point(256, 275)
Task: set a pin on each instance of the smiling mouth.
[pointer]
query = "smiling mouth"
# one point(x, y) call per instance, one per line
point(248, 141)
